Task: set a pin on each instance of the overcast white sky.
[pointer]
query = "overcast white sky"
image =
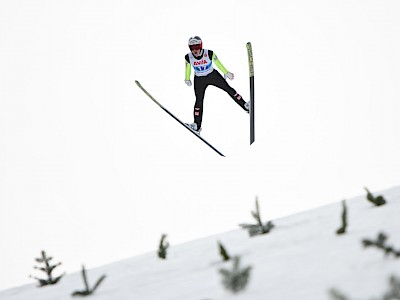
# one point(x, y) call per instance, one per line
point(92, 171)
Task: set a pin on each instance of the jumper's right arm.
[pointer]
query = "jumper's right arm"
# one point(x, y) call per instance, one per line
point(188, 68)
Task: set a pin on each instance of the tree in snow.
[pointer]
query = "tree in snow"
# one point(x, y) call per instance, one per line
point(377, 201)
point(336, 295)
point(258, 228)
point(392, 294)
point(236, 279)
point(222, 251)
point(162, 248)
point(88, 291)
point(380, 243)
point(342, 229)
point(48, 269)
point(394, 291)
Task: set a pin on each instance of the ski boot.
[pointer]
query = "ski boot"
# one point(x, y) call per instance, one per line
point(247, 106)
point(193, 126)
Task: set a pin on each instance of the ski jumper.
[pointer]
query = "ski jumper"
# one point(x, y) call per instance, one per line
point(205, 75)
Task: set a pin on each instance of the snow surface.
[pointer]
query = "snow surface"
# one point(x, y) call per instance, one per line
point(301, 258)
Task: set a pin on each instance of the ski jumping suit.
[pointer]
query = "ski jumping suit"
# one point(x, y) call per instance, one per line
point(205, 75)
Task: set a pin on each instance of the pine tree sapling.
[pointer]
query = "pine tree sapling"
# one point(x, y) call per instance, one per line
point(342, 229)
point(258, 228)
point(392, 294)
point(235, 280)
point(380, 243)
point(377, 201)
point(222, 251)
point(336, 295)
point(48, 269)
point(88, 291)
point(162, 248)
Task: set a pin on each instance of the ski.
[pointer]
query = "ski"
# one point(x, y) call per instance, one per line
point(251, 75)
point(183, 124)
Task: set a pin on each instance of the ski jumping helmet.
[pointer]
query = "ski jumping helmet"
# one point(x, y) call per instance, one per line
point(195, 42)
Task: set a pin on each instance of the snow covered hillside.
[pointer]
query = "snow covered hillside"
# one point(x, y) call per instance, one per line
point(302, 257)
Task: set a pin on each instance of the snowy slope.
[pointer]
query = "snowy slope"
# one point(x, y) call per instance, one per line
point(301, 258)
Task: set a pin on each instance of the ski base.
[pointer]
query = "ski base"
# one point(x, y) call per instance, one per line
point(179, 121)
point(251, 75)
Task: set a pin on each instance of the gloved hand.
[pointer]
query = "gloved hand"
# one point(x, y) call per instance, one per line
point(229, 75)
point(188, 82)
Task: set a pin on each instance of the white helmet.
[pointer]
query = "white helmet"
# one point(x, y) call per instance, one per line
point(195, 42)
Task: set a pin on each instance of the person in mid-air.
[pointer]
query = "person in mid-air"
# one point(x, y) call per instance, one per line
point(204, 75)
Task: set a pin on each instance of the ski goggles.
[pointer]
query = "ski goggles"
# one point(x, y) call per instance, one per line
point(195, 47)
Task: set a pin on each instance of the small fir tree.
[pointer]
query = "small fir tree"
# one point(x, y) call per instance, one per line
point(162, 248)
point(48, 270)
point(392, 294)
point(343, 228)
point(377, 201)
point(236, 279)
point(222, 251)
point(336, 295)
point(259, 228)
point(380, 243)
point(394, 289)
point(88, 291)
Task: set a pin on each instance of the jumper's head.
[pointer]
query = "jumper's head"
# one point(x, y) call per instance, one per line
point(195, 43)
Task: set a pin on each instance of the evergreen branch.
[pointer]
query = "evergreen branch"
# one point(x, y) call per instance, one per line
point(380, 243)
point(256, 214)
point(259, 228)
point(392, 294)
point(162, 248)
point(342, 229)
point(85, 281)
point(99, 281)
point(51, 268)
point(336, 295)
point(222, 251)
point(48, 269)
point(236, 279)
point(57, 279)
point(88, 291)
point(377, 201)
